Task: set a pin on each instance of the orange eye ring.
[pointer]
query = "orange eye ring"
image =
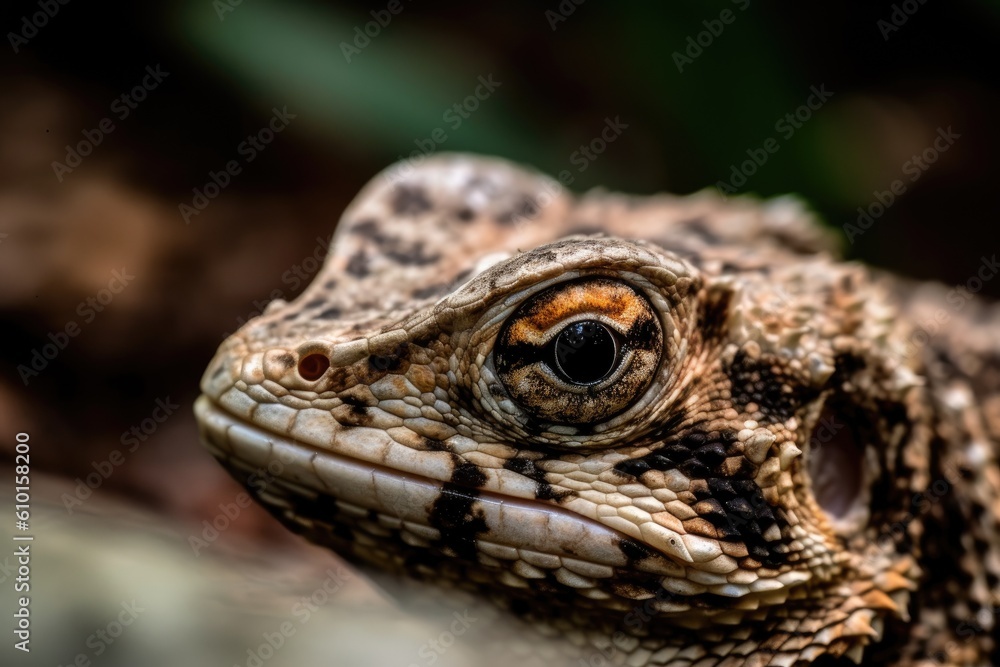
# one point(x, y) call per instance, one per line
point(579, 352)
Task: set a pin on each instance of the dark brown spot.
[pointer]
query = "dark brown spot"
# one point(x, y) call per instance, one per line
point(460, 523)
point(331, 313)
point(698, 228)
point(358, 395)
point(340, 379)
point(586, 230)
point(410, 200)
point(467, 474)
point(634, 551)
point(435, 445)
point(430, 290)
point(525, 209)
point(633, 467)
point(733, 504)
point(527, 467)
point(642, 589)
point(714, 314)
point(464, 396)
point(846, 364)
point(414, 255)
point(353, 401)
point(762, 381)
point(352, 413)
point(357, 266)
point(389, 361)
point(368, 229)
point(462, 277)
point(711, 454)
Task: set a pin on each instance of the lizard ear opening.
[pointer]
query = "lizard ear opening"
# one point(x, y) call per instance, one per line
point(835, 463)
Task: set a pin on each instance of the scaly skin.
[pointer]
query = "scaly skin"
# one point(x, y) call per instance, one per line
point(780, 468)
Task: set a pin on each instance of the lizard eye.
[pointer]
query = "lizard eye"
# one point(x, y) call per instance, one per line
point(579, 352)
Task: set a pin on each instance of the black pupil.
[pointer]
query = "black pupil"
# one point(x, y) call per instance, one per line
point(585, 352)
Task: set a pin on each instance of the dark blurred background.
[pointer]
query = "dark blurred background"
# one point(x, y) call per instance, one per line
point(702, 88)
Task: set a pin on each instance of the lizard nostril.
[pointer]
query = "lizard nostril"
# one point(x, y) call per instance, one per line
point(312, 366)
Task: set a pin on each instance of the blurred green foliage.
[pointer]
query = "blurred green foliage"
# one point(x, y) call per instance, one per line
point(386, 90)
point(701, 86)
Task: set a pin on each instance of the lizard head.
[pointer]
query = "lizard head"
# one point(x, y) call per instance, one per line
point(656, 414)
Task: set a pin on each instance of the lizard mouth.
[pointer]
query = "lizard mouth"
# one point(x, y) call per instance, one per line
point(373, 511)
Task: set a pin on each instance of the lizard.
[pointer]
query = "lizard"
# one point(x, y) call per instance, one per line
point(674, 430)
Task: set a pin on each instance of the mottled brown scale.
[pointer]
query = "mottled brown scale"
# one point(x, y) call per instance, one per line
point(786, 471)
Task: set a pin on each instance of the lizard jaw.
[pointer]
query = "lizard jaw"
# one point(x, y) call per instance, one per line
point(319, 492)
